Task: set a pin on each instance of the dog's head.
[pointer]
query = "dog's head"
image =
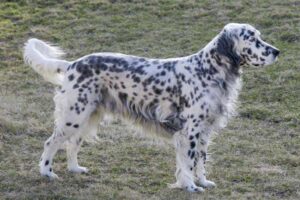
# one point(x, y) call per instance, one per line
point(242, 44)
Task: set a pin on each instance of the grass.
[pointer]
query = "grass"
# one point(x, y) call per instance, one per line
point(255, 157)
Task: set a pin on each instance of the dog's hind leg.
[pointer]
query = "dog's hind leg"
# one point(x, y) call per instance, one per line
point(68, 123)
point(73, 147)
point(50, 148)
point(74, 143)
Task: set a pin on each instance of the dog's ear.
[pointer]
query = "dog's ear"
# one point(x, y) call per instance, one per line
point(226, 47)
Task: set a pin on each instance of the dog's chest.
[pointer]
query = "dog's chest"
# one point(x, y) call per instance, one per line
point(214, 99)
point(222, 100)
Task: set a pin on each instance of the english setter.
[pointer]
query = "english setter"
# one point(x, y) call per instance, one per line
point(184, 98)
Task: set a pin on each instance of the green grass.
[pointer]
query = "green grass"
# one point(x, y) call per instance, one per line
point(255, 157)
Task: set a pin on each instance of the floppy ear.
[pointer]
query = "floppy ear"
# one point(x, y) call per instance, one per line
point(225, 47)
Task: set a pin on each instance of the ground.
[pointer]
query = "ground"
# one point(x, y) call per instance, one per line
point(255, 157)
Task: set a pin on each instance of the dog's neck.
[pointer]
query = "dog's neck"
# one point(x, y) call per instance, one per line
point(210, 58)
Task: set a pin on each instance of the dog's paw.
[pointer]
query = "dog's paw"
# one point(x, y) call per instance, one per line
point(48, 172)
point(78, 169)
point(51, 175)
point(191, 188)
point(194, 189)
point(207, 184)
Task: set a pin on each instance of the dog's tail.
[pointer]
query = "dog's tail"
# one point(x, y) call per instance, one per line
point(44, 59)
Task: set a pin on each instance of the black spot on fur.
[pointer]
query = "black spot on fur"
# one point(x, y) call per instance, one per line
point(71, 77)
point(156, 90)
point(192, 154)
point(251, 33)
point(136, 79)
point(75, 86)
point(249, 51)
point(84, 70)
point(103, 67)
point(224, 85)
point(193, 144)
point(203, 155)
point(97, 71)
point(163, 73)
point(225, 47)
point(258, 44)
point(242, 32)
point(123, 97)
point(168, 89)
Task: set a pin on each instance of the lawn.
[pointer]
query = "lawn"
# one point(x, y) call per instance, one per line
point(256, 157)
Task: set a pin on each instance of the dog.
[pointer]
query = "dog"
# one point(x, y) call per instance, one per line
point(183, 98)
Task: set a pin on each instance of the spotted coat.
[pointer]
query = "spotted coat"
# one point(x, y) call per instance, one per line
point(184, 98)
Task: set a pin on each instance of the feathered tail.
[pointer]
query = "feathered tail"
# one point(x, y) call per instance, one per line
point(44, 59)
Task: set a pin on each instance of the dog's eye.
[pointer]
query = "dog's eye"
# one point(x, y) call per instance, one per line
point(258, 44)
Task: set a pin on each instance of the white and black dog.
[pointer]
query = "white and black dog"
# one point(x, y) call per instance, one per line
point(185, 98)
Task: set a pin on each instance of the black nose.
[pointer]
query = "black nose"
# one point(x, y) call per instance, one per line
point(276, 52)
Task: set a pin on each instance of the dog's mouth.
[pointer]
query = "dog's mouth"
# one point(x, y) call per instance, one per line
point(247, 62)
point(273, 60)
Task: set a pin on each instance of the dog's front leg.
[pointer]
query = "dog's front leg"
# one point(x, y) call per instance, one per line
point(203, 138)
point(185, 162)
